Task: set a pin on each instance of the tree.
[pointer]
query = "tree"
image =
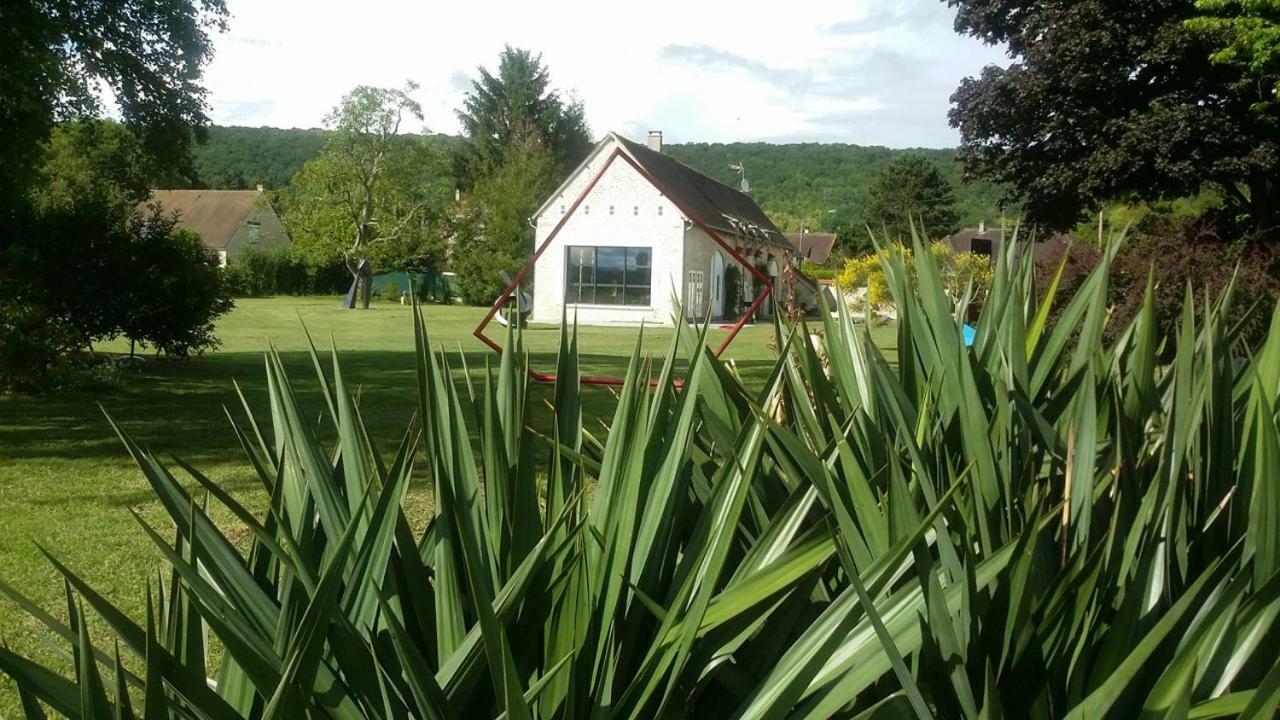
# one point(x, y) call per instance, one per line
point(491, 230)
point(58, 56)
point(1110, 100)
point(502, 107)
point(911, 189)
point(97, 161)
point(1248, 32)
point(370, 197)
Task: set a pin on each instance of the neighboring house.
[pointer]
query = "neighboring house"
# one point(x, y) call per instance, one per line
point(227, 220)
point(629, 254)
point(813, 247)
point(986, 241)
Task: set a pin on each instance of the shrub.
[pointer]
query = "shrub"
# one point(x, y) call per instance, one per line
point(1057, 529)
point(178, 291)
point(1180, 255)
point(83, 274)
point(262, 272)
point(818, 272)
point(958, 271)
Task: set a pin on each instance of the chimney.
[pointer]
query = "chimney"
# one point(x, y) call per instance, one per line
point(259, 187)
point(982, 226)
point(655, 140)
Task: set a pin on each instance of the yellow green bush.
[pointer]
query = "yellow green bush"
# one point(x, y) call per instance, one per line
point(958, 271)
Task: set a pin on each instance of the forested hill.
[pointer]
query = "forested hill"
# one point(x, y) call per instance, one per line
point(821, 186)
point(238, 158)
point(824, 185)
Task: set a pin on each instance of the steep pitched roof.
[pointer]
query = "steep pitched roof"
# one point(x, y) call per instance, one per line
point(814, 247)
point(714, 203)
point(215, 214)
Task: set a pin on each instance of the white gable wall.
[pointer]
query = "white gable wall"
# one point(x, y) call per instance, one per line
point(641, 217)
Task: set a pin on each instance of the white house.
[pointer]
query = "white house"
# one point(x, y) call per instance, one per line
point(633, 247)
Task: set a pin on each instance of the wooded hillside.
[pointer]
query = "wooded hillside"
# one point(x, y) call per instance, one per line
point(815, 185)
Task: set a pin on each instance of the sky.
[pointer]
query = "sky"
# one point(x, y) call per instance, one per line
point(870, 72)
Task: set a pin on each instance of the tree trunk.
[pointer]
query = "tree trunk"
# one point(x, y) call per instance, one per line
point(366, 290)
point(1262, 213)
point(366, 285)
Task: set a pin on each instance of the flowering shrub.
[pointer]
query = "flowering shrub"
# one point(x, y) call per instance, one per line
point(958, 271)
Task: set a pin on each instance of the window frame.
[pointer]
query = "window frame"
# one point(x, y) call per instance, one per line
point(622, 289)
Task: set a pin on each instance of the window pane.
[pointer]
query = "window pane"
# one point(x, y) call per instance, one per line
point(580, 275)
point(639, 271)
point(610, 265)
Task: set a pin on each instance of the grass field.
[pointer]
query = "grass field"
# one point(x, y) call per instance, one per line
point(67, 485)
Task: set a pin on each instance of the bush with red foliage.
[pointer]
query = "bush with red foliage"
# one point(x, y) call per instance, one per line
point(1181, 254)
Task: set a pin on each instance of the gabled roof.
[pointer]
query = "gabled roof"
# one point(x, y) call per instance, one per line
point(710, 202)
point(813, 247)
point(215, 214)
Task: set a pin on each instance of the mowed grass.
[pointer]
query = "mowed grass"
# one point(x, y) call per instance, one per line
point(67, 485)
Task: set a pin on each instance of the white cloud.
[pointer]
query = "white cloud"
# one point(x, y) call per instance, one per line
point(872, 73)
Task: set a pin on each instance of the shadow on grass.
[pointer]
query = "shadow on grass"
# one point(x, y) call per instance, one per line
point(178, 407)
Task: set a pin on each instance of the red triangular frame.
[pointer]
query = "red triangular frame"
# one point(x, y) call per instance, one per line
point(766, 284)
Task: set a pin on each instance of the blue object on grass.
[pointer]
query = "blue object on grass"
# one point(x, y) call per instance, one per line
point(969, 335)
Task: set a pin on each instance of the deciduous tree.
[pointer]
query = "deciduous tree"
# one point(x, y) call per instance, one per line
point(58, 56)
point(371, 195)
point(1248, 32)
point(492, 232)
point(1108, 100)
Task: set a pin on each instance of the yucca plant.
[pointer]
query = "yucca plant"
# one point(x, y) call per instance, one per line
point(1043, 525)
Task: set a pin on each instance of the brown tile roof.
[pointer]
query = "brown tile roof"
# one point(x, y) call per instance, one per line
point(714, 203)
point(989, 241)
point(215, 214)
point(813, 247)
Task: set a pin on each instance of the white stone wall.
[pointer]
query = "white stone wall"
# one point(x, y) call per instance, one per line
point(640, 217)
point(698, 250)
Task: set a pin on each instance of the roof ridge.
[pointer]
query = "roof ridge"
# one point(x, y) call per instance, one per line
point(684, 165)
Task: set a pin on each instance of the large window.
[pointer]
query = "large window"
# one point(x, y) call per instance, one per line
point(608, 275)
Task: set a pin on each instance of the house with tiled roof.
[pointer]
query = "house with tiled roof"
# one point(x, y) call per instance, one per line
point(228, 221)
point(634, 235)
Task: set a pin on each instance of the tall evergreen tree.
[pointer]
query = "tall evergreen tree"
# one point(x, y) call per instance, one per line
point(504, 106)
point(911, 189)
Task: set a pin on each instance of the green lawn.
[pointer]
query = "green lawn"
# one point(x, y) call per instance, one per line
point(67, 485)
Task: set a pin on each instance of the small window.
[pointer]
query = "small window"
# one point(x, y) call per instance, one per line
point(561, 209)
point(255, 231)
point(610, 209)
point(659, 209)
point(586, 209)
point(635, 210)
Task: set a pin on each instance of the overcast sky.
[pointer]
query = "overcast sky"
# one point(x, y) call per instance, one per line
point(872, 72)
